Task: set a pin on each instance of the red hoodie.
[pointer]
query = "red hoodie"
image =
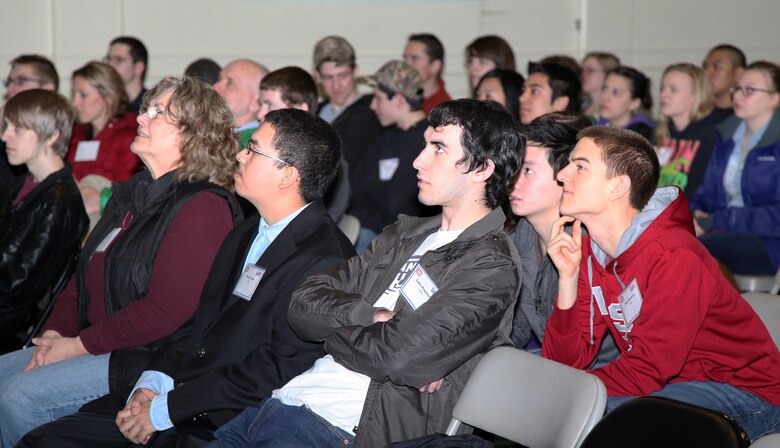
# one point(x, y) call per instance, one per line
point(693, 326)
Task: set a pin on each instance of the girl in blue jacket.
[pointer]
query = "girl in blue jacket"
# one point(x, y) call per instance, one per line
point(737, 206)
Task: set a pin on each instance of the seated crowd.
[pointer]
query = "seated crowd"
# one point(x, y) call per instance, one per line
point(211, 298)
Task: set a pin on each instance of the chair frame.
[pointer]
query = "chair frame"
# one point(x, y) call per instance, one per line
point(530, 400)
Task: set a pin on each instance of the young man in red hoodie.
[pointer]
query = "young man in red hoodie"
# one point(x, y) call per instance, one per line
point(642, 275)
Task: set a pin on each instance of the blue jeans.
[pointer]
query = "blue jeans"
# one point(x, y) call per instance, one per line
point(365, 237)
point(274, 424)
point(756, 416)
point(742, 253)
point(44, 394)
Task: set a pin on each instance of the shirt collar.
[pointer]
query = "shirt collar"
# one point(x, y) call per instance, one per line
point(274, 230)
point(243, 127)
point(739, 134)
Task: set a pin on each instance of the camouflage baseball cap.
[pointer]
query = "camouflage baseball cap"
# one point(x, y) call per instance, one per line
point(333, 49)
point(399, 77)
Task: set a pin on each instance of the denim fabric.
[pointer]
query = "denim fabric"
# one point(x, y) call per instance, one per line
point(44, 394)
point(274, 424)
point(756, 416)
point(742, 253)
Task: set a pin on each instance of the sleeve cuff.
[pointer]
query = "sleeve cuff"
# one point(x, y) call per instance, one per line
point(158, 413)
point(155, 381)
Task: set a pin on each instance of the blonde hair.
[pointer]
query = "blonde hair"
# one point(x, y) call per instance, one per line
point(208, 144)
point(108, 83)
point(703, 99)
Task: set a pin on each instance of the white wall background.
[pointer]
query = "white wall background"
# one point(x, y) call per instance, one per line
point(646, 34)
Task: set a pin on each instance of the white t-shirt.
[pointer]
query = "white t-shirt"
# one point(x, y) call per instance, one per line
point(334, 392)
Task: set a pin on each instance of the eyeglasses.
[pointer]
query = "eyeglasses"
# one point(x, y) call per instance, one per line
point(590, 70)
point(250, 148)
point(115, 59)
point(153, 112)
point(21, 81)
point(748, 90)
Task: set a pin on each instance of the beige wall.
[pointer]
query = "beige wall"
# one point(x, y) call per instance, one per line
point(647, 34)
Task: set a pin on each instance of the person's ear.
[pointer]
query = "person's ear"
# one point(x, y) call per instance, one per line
point(483, 174)
point(560, 104)
point(620, 186)
point(138, 68)
point(303, 106)
point(437, 66)
point(290, 177)
point(50, 141)
point(635, 104)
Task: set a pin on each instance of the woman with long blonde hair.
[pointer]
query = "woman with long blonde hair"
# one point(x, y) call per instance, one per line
point(685, 134)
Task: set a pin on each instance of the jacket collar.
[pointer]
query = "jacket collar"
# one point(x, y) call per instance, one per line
point(771, 136)
point(283, 247)
point(50, 180)
point(410, 226)
point(142, 192)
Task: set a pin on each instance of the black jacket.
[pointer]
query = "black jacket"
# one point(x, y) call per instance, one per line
point(128, 265)
point(357, 126)
point(39, 236)
point(240, 351)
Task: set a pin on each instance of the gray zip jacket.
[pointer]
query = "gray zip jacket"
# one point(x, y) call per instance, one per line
point(540, 291)
point(478, 277)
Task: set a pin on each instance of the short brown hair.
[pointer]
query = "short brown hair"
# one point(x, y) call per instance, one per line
point(494, 48)
point(297, 86)
point(627, 153)
point(108, 83)
point(43, 68)
point(44, 112)
point(771, 70)
point(607, 61)
point(208, 144)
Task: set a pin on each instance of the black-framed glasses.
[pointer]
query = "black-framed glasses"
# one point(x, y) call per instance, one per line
point(748, 90)
point(22, 80)
point(251, 148)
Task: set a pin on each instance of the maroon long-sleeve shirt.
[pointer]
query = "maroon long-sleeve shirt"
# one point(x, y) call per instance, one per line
point(178, 275)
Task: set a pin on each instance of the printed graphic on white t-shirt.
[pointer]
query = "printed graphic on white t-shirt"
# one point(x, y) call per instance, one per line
point(334, 392)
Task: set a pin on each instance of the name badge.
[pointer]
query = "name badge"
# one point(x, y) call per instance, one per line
point(87, 151)
point(630, 302)
point(248, 281)
point(418, 287)
point(108, 239)
point(387, 168)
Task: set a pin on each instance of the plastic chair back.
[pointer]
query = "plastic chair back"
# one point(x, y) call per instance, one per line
point(530, 400)
point(350, 226)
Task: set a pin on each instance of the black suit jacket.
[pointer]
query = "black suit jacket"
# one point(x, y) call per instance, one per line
point(240, 351)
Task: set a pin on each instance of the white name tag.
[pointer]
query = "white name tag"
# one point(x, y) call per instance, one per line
point(419, 287)
point(387, 168)
point(630, 302)
point(87, 151)
point(247, 283)
point(108, 239)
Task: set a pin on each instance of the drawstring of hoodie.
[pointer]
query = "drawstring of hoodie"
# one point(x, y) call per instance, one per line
point(590, 285)
point(592, 311)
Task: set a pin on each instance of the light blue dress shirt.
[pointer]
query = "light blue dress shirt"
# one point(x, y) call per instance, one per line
point(732, 177)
